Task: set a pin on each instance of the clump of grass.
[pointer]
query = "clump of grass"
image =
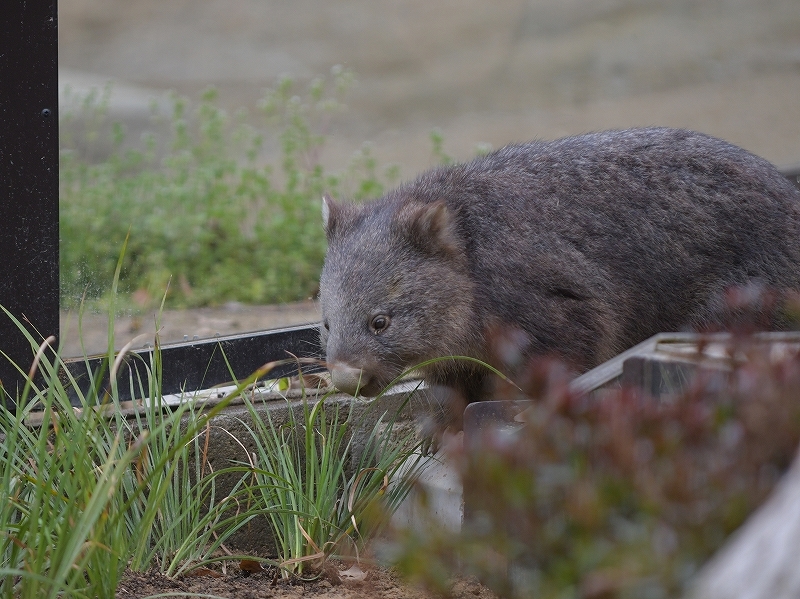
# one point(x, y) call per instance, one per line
point(56, 496)
point(202, 206)
point(173, 508)
point(318, 502)
point(86, 492)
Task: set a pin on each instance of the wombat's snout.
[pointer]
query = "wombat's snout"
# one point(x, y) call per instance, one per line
point(350, 380)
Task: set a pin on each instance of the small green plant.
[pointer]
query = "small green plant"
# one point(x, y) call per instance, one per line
point(320, 499)
point(82, 490)
point(59, 534)
point(437, 143)
point(203, 206)
point(174, 511)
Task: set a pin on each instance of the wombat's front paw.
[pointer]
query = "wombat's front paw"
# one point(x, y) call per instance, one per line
point(430, 435)
point(435, 438)
point(444, 419)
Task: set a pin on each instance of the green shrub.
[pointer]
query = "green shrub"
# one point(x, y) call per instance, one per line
point(202, 208)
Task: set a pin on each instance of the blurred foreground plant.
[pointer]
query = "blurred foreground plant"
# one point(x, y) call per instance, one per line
point(617, 495)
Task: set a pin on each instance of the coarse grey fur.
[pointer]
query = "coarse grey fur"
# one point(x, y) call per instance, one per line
point(582, 246)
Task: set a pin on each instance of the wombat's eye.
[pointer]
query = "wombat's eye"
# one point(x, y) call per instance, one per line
point(379, 323)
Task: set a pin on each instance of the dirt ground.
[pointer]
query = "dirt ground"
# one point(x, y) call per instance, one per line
point(178, 325)
point(379, 583)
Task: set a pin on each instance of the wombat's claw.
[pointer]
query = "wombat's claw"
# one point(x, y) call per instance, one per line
point(430, 434)
point(430, 445)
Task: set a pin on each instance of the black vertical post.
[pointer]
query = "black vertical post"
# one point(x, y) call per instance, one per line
point(28, 179)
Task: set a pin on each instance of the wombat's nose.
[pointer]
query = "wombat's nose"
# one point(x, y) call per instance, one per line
point(347, 379)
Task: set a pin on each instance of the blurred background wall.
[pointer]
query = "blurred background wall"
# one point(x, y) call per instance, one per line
point(481, 71)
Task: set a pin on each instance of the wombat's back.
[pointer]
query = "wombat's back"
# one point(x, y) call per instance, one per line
point(609, 238)
point(585, 245)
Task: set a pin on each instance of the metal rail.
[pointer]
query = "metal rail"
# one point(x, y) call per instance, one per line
point(196, 365)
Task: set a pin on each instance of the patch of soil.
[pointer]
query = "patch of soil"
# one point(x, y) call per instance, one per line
point(235, 584)
point(179, 325)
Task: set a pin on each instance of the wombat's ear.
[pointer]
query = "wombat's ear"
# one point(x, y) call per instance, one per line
point(331, 214)
point(432, 228)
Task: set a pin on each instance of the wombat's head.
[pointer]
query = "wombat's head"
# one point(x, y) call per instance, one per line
point(395, 289)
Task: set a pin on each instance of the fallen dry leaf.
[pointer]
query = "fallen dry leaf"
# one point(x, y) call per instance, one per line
point(249, 566)
point(205, 572)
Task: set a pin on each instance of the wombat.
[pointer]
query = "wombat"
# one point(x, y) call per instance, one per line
point(582, 247)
